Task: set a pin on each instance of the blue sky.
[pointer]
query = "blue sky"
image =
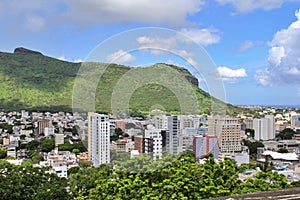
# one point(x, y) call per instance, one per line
point(255, 44)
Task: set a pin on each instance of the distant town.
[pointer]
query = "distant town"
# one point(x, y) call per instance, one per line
point(60, 141)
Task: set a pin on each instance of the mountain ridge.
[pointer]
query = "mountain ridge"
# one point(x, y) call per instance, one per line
point(33, 81)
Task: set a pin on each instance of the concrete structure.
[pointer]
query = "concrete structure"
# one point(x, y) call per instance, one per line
point(295, 121)
point(264, 128)
point(241, 158)
point(173, 127)
point(49, 131)
point(202, 145)
point(26, 132)
point(121, 124)
point(189, 121)
point(249, 123)
point(98, 138)
point(59, 139)
point(134, 153)
point(60, 171)
point(228, 131)
point(138, 143)
point(155, 135)
point(11, 151)
point(118, 146)
point(279, 159)
point(42, 124)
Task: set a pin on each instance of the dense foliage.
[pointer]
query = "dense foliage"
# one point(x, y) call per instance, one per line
point(286, 134)
point(169, 178)
point(25, 182)
point(35, 82)
point(139, 178)
point(253, 145)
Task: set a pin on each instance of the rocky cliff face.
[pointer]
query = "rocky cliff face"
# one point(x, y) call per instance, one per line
point(23, 50)
point(188, 76)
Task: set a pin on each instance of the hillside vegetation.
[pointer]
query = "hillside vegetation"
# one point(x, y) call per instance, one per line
point(30, 80)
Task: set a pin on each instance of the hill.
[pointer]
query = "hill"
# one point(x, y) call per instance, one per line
point(30, 80)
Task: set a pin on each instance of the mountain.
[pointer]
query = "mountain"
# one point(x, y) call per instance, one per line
point(29, 80)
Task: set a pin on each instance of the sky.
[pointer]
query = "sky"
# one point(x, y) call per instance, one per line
point(254, 44)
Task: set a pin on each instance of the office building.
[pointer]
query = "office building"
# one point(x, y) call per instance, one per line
point(264, 128)
point(42, 124)
point(59, 139)
point(202, 145)
point(228, 131)
point(295, 121)
point(156, 142)
point(98, 138)
point(173, 134)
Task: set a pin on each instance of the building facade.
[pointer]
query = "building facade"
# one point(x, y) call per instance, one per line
point(264, 128)
point(156, 136)
point(98, 139)
point(228, 131)
point(202, 145)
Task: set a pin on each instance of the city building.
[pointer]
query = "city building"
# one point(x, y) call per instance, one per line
point(48, 131)
point(172, 136)
point(60, 171)
point(295, 121)
point(138, 143)
point(59, 139)
point(98, 138)
point(202, 145)
point(42, 124)
point(121, 124)
point(228, 131)
point(248, 123)
point(264, 128)
point(156, 136)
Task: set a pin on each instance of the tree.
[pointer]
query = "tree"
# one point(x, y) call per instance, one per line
point(76, 151)
point(25, 182)
point(32, 145)
point(253, 146)
point(283, 150)
point(249, 132)
point(286, 134)
point(3, 153)
point(47, 145)
point(35, 157)
point(22, 137)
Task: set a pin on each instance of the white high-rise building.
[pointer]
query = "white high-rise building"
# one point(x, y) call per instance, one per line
point(264, 128)
point(98, 138)
point(155, 135)
point(172, 136)
point(295, 121)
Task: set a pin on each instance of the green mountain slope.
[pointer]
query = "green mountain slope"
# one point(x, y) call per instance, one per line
point(30, 80)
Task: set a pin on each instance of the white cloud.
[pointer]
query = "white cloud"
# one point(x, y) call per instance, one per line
point(110, 11)
point(249, 44)
point(263, 77)
point(35, 23)
point(250, 5)
point(284, 57)
point(120, 57)
point(191, 61)
point(77, 61)
point(246, 45)
point(204, 36)
point(62, 57)
point(156, 44)
point(231, 73)
point(228, 75)
point(184, 53)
